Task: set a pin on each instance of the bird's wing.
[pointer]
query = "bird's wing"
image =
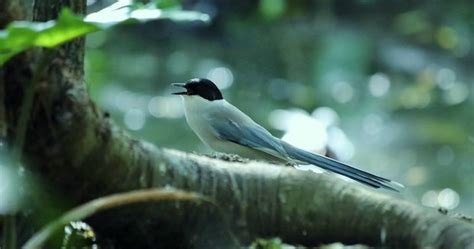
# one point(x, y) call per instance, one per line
point(250, 135)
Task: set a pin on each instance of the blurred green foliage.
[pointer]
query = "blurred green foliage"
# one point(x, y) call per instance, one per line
point(21, 35)
point(397, 74)
point(274, 243)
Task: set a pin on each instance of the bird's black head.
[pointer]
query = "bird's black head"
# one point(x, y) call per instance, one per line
point(202, 87)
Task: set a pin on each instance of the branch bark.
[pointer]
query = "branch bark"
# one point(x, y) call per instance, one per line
point(78, 150)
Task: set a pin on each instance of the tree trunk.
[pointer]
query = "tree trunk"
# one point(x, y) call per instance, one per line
point(76, 148)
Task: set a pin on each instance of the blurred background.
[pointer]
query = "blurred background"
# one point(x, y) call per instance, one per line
point(387, 85)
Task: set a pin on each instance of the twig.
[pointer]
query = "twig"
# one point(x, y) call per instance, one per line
point(108, 202)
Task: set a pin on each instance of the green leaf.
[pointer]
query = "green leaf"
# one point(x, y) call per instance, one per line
point(166, 4)
point(68, 27)
point(272, 243)
point(22, 35)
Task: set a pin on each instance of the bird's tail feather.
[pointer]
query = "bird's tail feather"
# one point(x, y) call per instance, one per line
point(341, 168)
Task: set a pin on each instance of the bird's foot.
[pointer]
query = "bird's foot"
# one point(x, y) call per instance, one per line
point(228, 157)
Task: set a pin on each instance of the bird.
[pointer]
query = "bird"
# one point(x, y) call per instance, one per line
point(224, 128)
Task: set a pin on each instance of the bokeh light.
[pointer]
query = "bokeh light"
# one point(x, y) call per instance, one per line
point(456, 93)
point(446, 198)
point(222, 76)
point(416, 175)
point(9, 186)
point(165, 107)
point(379, 84)
point(342, 92)
point(301, 130)
point(445, 155)
point(134, 119)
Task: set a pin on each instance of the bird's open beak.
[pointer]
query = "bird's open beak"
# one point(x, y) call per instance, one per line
point(180, 85)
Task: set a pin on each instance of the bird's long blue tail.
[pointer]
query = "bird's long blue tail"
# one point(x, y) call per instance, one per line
point(341, 168)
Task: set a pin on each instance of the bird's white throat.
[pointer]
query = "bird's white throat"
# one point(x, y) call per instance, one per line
point(196, 104)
